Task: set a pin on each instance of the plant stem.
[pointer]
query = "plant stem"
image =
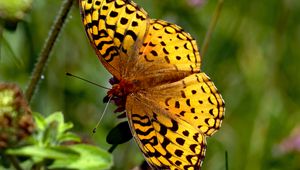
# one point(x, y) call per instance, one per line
point(226, 160)
point(211, 28)
point(15, 162)
point(1, 36)
point(48, 45)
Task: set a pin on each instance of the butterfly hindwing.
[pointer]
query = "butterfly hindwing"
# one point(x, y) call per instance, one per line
point(170, 122)
point(194, 99)
point(165, 142)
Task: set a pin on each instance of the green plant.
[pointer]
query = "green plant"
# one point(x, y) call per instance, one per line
point(52, 146)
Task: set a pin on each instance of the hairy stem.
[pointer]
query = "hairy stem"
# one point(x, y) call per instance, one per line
point(48, 45)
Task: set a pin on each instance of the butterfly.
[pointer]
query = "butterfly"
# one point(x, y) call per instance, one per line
point(171, 105)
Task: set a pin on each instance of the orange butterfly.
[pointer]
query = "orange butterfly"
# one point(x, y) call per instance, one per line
point(171, 105)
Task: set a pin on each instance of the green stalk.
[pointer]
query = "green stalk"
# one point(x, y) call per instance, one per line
point(15, 162)
point(48, 45)
point(211, 27)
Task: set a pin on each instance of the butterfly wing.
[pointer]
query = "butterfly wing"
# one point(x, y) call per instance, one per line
point(129, 44)
point(170, 123)
point(113, 28)
point(165, 142)
point(194, 99)
point(166, 49)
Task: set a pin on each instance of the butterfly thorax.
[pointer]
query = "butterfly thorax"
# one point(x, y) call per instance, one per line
point(119, 92)
point(121, 88)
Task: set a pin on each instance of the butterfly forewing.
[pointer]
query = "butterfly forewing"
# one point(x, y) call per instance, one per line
point(113, 28)
point(167, 54)
point(168, 48)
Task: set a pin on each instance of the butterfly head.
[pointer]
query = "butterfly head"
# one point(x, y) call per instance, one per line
point(121, 88)
point(119, 92)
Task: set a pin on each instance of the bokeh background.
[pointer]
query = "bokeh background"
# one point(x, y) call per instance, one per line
point(253, 58)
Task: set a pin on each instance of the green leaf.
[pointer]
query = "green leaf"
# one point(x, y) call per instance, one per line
point(79, 156)
point(58, 118)
point(39, 121)
point(68, 136)
point(55, 117)
point(90, 157)
point(57, 152)
point(66, 126)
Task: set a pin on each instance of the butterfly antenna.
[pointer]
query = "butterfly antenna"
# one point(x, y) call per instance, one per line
point(72, 75)
point(102, 115)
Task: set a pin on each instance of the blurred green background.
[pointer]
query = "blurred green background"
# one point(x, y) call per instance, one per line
point(252, 58)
